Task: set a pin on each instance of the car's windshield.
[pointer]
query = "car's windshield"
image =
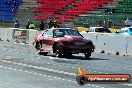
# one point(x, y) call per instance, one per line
point(73, 32)
point(99, 30)
point(122, 31)
point(63, 32)
point(130, 29)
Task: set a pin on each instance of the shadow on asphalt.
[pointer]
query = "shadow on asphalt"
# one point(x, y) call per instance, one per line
point(74, 58)
point(98, 59)
point(78, 58)
point(83, 58)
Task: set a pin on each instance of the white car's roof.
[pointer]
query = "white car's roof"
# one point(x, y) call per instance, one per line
point(60, 28)
point(96, 27)
point(125, 28)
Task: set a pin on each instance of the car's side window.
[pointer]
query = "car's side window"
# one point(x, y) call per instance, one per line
point(48, 33)
point(91, 30)
point(130, 29)
point(59, 33)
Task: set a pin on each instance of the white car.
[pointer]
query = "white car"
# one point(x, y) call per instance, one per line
point(98, 30)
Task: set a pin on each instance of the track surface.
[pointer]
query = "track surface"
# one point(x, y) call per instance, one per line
point(22, 67)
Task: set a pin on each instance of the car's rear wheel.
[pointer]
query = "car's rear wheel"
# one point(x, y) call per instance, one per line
point(87, 55)
point(57, 51)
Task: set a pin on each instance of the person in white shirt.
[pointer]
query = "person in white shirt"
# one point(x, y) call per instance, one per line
point(128, 22)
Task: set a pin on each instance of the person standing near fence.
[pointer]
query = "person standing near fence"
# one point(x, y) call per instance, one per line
point(109, 23)
point(41, 26)
point(128, 22)
point(51, 24)
point(16, 25)
point(55, 24)
point(31, 26)
point(28, 23)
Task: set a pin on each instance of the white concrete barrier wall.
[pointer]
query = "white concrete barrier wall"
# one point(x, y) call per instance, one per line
point(101, 43)
point(129, 46)
point(91, 37)
point(107, 43)
point(6, 34)
point(3, 34)
point(0, 33)
point(112, 44)
point(10, 34)
point(31, 35)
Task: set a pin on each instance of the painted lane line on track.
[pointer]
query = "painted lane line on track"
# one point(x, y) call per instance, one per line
point(41, 68)
point(10, 57)
point(35, 73)
point(50, 64)
point(127, 84)
point(57, 77)
point(60, 65)
point(56, 71)
point(41, 74)
point(56, 65)
point(50, 76)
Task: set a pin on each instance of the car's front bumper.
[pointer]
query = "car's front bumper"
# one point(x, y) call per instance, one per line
point(76, 49)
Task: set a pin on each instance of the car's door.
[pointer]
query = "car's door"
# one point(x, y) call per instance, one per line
point(48, 40)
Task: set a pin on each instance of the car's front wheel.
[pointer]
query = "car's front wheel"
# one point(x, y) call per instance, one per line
point(37, 46)
point(68, 55)
point(57, 51)
point(87, 55)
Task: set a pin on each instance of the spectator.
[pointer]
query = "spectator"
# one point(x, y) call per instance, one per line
point(105, 24)
point(128, 22)
point(55, 25)
point(14, 3)
point(100, 24)
point(14, 11)
point(109, 23)
point(31, 26)
point(28, 23)
point(50, 24)
point(86, 25)
point(41, 26)
point(16, 25)
point(106, 29)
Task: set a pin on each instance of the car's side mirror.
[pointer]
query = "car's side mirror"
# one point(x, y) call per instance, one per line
point(43, 34)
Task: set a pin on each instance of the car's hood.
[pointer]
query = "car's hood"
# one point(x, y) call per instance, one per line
point(73, 38)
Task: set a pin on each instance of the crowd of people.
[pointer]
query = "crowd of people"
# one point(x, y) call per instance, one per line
point(31, 25)
point(107, 23)
point(51, 23)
